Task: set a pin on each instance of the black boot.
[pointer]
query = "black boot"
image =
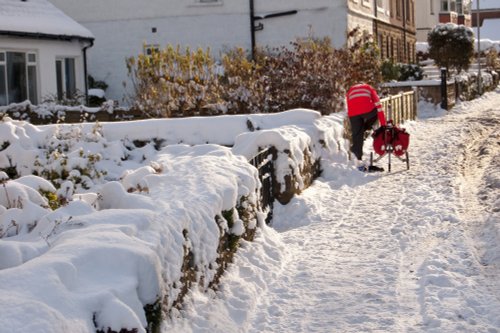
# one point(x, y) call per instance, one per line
point(374, 168)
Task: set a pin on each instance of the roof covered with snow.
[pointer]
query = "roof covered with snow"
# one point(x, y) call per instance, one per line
point(38, 17)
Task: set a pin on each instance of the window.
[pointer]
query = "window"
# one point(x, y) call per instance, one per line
point(18, 77)
point(453, 6)
point(65, 78)
point(150, 48)
point(444, 6)
point(408, 11)
point(31, 71)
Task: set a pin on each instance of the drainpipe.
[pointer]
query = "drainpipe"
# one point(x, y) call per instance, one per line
point(479, 86)
point(252, 29)
point(84, 51)
point(405, 50)
point(260, 26)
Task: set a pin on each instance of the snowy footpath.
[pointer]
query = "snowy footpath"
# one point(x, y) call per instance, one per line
point(406, 251)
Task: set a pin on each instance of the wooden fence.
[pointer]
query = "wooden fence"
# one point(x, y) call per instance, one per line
point(400, 107)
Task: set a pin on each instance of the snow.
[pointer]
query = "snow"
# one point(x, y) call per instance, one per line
point(409, 251)
point(97, 93)
point(133, 193)
point(406, 251)
point(40, 17)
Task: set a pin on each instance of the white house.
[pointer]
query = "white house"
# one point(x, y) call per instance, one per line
point(125, 28)
point(42, 52)
point(429, 13)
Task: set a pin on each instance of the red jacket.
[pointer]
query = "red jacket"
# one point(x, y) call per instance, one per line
point(361, 99)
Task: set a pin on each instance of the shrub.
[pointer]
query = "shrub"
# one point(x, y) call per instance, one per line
point(492, 61)
point(411, 72)
point(309, 73)
point(451, 46)
point(75, 99)
point(96, 84)
point(241, 90)
point(299, 77)
point(390, 71)
point(172, 82)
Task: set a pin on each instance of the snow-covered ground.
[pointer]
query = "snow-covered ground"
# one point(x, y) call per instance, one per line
point(406, 251)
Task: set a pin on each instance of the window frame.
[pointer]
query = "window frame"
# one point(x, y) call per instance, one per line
point(31, 75)
point(444, 7)
point(149, 48)
point(66, 85)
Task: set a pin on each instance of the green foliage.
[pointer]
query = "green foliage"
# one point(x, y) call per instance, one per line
point(52, 199)
point(411, 72)
point(390, 71)
point(95, 101)
point(98, 84)
point(228, 215)
point(154, 316)
point(451, 46)
point(58, 161)
point(401, 72)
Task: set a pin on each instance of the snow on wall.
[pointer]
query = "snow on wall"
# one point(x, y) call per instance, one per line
point(107, 253)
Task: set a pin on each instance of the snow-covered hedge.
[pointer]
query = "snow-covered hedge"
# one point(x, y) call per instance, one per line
point(135, 213)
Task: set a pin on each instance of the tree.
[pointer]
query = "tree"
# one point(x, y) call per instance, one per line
point(451, 46)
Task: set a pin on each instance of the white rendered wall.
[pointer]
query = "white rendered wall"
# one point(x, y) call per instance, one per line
point(122, 27)
point(47, 51)
point(426, 17)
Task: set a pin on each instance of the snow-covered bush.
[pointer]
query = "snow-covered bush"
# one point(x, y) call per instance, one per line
point(411, 72)
point(451, 46)
point(58, 158)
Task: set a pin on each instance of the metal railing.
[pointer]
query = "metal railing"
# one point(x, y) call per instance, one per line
point(264, 162)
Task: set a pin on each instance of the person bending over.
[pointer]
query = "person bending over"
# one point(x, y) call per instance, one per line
point(363, 110)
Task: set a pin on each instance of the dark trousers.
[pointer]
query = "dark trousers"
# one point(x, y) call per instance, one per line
point(359, 125)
